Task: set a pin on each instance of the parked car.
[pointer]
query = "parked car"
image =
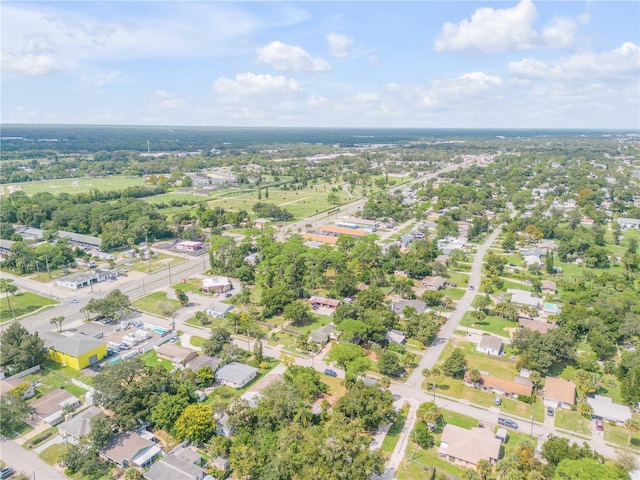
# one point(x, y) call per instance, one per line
point(7, 472)
point(497, 401)
point(331, 373)
point(74, 300)
point(599, 425)
point(471, 287)
point(550, 411)
point(505, 422)
point(227, 295)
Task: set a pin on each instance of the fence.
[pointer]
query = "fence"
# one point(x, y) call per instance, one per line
point(82, 385)
point(26, 372)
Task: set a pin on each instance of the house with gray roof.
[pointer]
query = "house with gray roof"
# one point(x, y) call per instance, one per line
point(172, 467)
point(79, 425)
point(131, 449)
point(400, 305)
point(604, 408)
point(80, 240)
point(203, 361)
point(236, 374)
point(490, 345)
point(321, 335)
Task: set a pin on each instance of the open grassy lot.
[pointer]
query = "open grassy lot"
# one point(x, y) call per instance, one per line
point(197, 341)
point(74, 185)
point(150, 303)
point(23, 303)
point(151, 359)
point(572, 421)
point(480, 361)
point(492, 324)
point(155, 264)
point(620, 436)
point(316, 322)
point(52, 453)
point(189, 285)
point(454, 293)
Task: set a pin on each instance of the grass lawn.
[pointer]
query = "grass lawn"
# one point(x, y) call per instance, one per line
point(197, 341)
point(190, 285)
point(282, 338)
point(157, 263)
point(53, 375)
point(458, 278)
point(335, 385)
point(458, 419)
point(572, 421)
point(454, 293)
point(151, 359)
point(492, 324)
point(51, 454)
point(393, 435)
point(75, 185)
point(23, 303)
point(479, 360)
point(41, 437)
point(619, 435)
point(150, 303)
point(316, 322)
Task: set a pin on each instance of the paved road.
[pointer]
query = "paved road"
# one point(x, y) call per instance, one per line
point(448, 329)
point(28, 462)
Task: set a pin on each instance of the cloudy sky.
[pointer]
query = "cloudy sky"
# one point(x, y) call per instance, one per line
point(526, 64)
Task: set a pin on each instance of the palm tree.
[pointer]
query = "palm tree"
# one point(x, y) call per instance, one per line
point(484, 469)
point(475, 376)
point(632, 425)
point(429, 412)
point(9, 289)
point(57, 321)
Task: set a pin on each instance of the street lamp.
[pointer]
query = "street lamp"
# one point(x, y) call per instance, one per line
point(532, 425)
point(169, 265)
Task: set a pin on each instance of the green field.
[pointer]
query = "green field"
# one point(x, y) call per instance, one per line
point(572, 421)
point(23, 303)
point(74, 185)
point(492, 324)
point(150, 303)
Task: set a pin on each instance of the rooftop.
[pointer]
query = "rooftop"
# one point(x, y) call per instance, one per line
point(469, 445)
point(560, 389)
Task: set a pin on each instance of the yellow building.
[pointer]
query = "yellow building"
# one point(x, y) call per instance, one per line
point(76, 351)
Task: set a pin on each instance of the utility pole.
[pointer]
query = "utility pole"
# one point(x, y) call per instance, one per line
point(531, 426)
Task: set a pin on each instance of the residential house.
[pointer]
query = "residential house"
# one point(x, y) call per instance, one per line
point(400, 305)
point(216, 285)
point(466, 448)
point(442, 259)
point(500, 386)
point(203, 361)
point(315, 237)
point(218, 310)
point(323, 334)
point(220, 463)
point(433, 283)
point(588, 222)
point(536, 325)
point(396, 336)
point(80, 424)
point(260, 223)
point(76, 351)
point(11, 383)
point(80, 240)
point(252, 398)
point(30, 233)
point(5, 247)
point(352, 232)
point(406, 239)
point(223, 424)
point(604, 408)
point(549, 287)
point(52, 406)
point(132, 449)
point(559, 393)
point(324, 302)
point(236, 374)
point(172, 467)
point(177, 355)
point(191, 246)
point(532, 256)
point(522, 297)
point(490, 345)
point(627, 223)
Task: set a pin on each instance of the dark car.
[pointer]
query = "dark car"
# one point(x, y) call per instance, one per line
point(7, 473)
point(471, 287)
point(331, 373)
point(227, 295)
point(505, 422)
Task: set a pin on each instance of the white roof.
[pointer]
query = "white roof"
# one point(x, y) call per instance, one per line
point(215, 282)
point(605, 408)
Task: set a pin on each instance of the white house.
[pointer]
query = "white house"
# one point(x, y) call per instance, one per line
point(490, 345)
point(216, 285)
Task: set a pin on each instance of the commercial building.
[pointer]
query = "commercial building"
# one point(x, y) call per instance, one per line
point(75, 351)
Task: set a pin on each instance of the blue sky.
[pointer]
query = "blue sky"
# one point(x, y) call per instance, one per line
point(519, 64)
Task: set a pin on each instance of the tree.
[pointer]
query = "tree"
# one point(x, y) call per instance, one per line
point(475, 376)
point(333, 198)
point(182, 297)
point(57, 321)
point(196, 423)
point(344, 353)
point(168, 409)
point(8, 289)
point(630, 387)
point(586, 469)
point(297, 312)
point(484, 469)
point(132, 473)
point(633, 426)
point(456, 365)
point(429, 412)
point(20, 349)
point(217, 340)
point(509, 242)
point(13, 411)
point(205, 376)
point(422, 435)
point(370, 404)
point(102, 430)
point(389, 364)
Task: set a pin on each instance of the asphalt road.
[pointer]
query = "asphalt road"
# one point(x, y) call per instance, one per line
point(28, 462)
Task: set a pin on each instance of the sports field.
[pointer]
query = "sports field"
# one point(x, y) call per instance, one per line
point(73, 185)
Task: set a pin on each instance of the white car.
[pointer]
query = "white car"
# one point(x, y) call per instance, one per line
point(74, 300)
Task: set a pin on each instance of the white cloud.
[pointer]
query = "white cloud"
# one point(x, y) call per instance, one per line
point(100, 79)
point(493, 30)
point(318, 101)
point(582, 65)
point(284, 57)
point(251, 84)
point(480, 80)
point(339, 45)
point(165, 99)
point(30, 64)
point(367, 97)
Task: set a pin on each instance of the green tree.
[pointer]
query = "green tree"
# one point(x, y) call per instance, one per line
point(586, 469)
point(455, 365)
point(182, 297)
point(8, 289)
point(429, 412)
point(13, 411)
point(630, 387)
point(389, 364)
point(369, 404)
point(20, 349)
point(343, 353)
point(217, 340)
point(196, 423)
point(102, 430)
point(205, 376)
point(168, 409)
point(422, 436)
point(57, 321)
point(297, 312)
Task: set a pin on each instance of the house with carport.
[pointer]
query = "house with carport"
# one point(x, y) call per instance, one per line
point(465, 448)
point(559, 393)
point(132, 449)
